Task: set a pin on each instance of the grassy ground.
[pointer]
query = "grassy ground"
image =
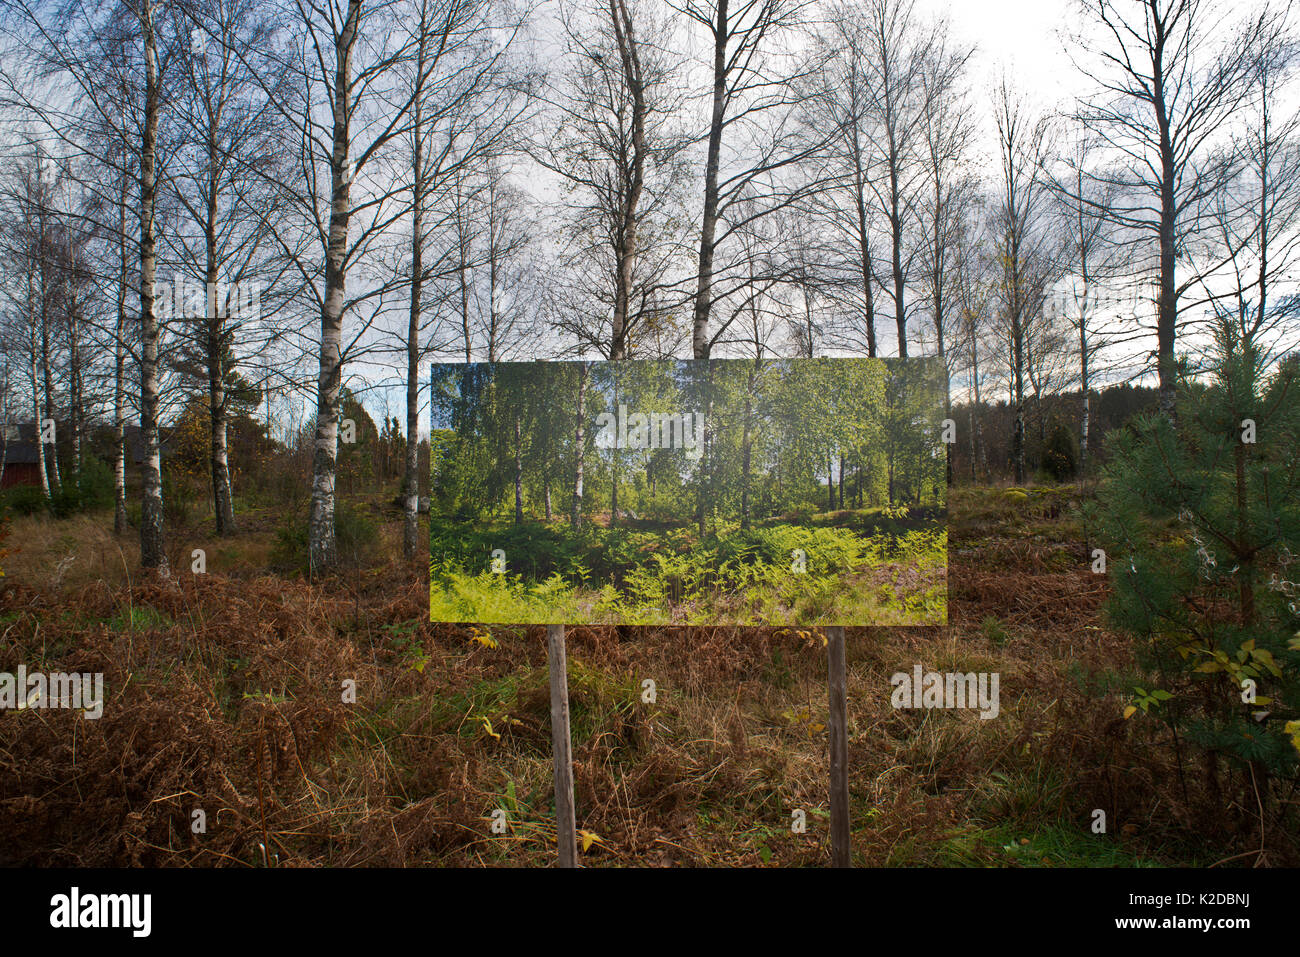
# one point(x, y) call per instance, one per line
point(225, 696)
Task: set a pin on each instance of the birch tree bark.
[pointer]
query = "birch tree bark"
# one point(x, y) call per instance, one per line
point(153, 555)
point(323, 551)
point(411, 464)
point(579, 446)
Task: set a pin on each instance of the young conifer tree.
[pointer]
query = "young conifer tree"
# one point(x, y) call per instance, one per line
point(1201, 526)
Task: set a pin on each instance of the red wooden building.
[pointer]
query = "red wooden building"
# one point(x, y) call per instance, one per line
point(19, 456)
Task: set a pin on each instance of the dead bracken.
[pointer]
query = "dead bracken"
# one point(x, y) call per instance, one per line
point(224, 695)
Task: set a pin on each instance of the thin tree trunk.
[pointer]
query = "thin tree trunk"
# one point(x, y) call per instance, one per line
point(152, 552)
point(579, 447)
point(223, 506)
point(519, 472)
point(75, 413)
point(896, 235)
point(613, 470)
point(1018, 363)
point(971, 429)
point(709, 224)
point(830, 481)
point(937, 304)
point(74, 367)
point(1265, 211)
point(411, 470)
point(323, 550)
point(119, 378)
point(1167, 306)
point(36, 414)
point(1087, 399)
point(864, 249)
point(978, 449)
point(463, 241)
point(627, 240)
point(52, 458)
point(746, 444)
point(702, 512)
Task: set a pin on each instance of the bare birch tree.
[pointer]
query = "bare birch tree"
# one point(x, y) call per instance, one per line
point(756, 82)
point(1018, 241)
point(1169, 75)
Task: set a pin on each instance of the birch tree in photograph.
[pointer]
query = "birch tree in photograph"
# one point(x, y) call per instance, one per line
point(46, 242)
point(122, 290)
point(30, 248)
point(419, 183)
point(342, 35)
point(25, 288)
point(464, 233)
point(106, 136)
point(117, 63)
point(117, 145)
point(945, 202)
point(631, 174)
point(812, 274)
point(45, 250)
point(842, 102)
point(153, 553)
point(506, 303)
point(975, 283)
point(579, 445)
point(78, 80)
point(75, 266)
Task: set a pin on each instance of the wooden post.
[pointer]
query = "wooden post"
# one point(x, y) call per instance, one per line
point(838, 722)
point(565, 825)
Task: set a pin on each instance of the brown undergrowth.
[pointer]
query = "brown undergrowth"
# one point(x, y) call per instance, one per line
point(226, 695)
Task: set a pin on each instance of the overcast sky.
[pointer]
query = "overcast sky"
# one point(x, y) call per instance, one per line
point(1018, 35)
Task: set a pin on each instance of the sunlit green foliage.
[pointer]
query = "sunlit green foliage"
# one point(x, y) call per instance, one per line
point(769, 491)
point(771, 574)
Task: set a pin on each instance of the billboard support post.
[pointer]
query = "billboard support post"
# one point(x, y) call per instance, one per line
point(838, 724)
point(561, 747)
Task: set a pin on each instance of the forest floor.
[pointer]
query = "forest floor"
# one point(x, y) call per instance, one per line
point(224, 695)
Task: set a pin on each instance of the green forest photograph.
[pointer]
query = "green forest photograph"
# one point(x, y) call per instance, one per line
point(786, 492)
